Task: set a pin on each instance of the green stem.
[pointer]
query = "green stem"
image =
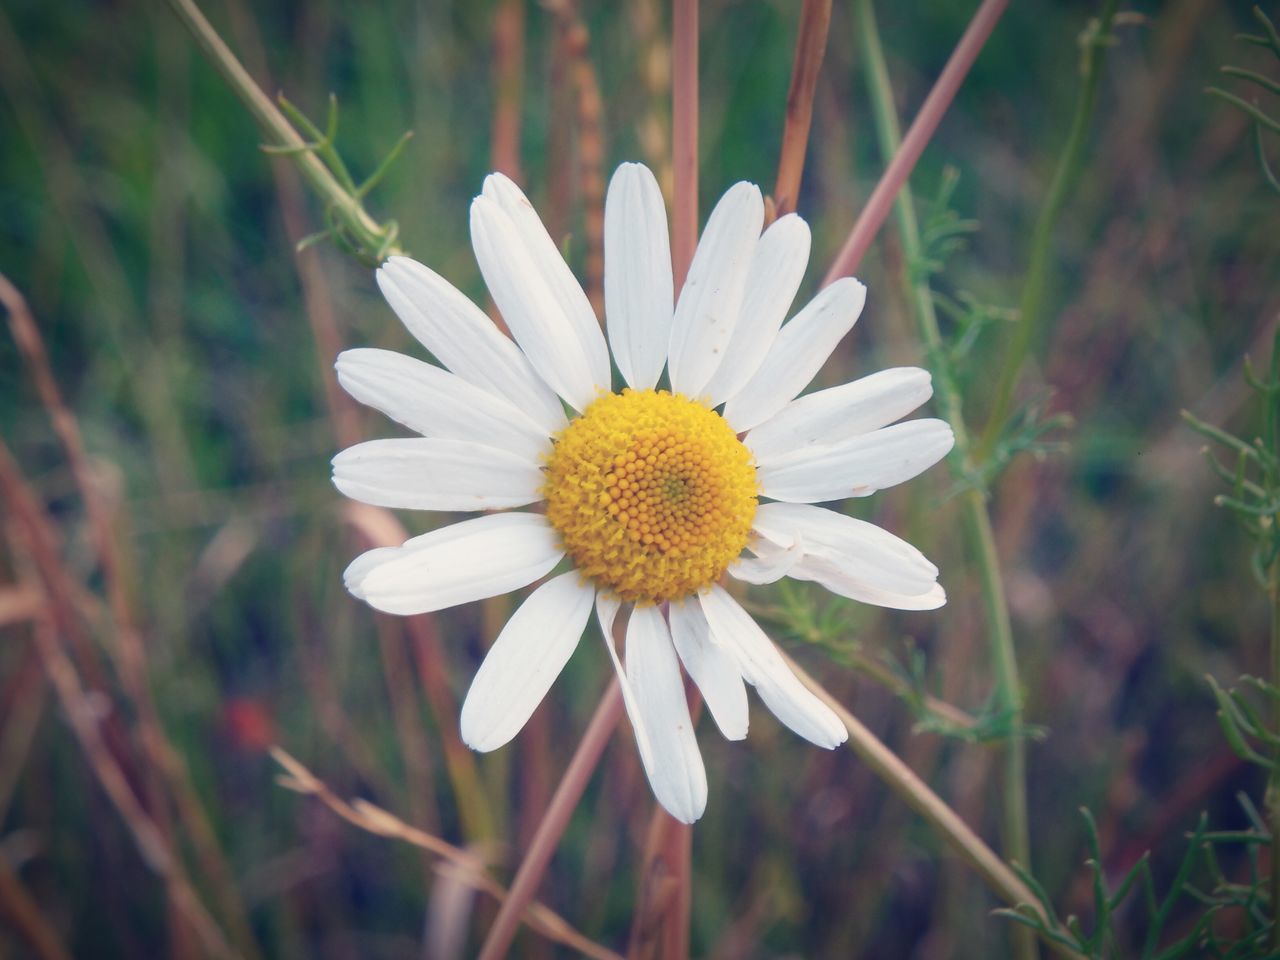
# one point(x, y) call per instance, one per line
point(1016, 838)
point(343, 206)
point(1031, 304)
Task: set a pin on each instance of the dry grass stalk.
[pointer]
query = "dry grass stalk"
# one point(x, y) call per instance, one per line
point(918, 136)
point(464, 865)
point(35, 531)
point(568, 793)
point(508, 83)
point(166, 775)
point(575, 43)
point(811, 44)
point(22, 915)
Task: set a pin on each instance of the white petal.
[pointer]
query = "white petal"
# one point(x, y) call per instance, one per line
point(551, 266)
point(712, 668)
point(777, 267)
point(437, 403)
point(464, 339)
point(459, 563)
point(637, 275)
point(800, 350)
point(575, 363)
point(762, 667)
point(677, 776)
point(828, 416)
point(525, 660)
point(607, 608)
point(831, 577)
point(711, 298)
point(770, 564)
point(860, 551)
point(421, 474)
point(859, 466)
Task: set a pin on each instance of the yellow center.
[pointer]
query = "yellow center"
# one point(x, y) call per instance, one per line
point(652, 493)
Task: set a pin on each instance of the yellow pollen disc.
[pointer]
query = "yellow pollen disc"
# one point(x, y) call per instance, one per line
point(652, 493)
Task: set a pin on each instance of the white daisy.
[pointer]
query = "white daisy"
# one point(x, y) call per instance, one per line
point(650, 494)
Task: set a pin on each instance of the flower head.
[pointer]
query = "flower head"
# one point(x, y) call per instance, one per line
point(652, 493)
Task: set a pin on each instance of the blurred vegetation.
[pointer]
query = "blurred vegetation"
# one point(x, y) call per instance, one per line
point(154, 241)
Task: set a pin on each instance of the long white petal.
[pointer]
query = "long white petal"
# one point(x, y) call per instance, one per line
point(777, 267)
point(465, 561)
point(859, 466)
point(525, 660)
point(712, 668)
point(637, 275)
point(711, 298)
point(607, 608)
point(800, 350)
point(460, 336)
point(861, 551)
point(551, 265)
point(437, 403)
point(828, 416)
point(831, 576)
point(678, 777)
point(429, 474)
point(551, 339)
point(786, 697)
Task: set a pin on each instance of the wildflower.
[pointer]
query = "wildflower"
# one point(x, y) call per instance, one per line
point(650, 494)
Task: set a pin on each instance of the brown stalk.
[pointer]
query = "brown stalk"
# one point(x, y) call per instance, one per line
point(22, 915)
point(575, 43)
point(660, 923)
point(508, 83)
point(167, 776)
point(568, 793)
point(922, 129)
point(917, 794)
point(684, 137)
point(22, 709)
point(811, 44)
point(469, 867)
point(35, 529)
point(380, 528)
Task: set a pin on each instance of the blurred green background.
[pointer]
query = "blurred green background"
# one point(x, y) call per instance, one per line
point(154, 241)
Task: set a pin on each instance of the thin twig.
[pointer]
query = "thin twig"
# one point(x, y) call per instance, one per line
point(167, 774)
point(916, 793)
point(344, 205)
point(508, 84)
point(468, 867)
point(811, 44)
point(23, 916)
point(684, 137)
point(35, 528)
point(1040, 260)
point(922, 129)
point(534, 866)
point(977, 520)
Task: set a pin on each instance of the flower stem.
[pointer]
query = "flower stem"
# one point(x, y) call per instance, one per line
point(684, 136)
point(551, 829)
point(977, 520)
point(811, 44)
point(344, 207)
point(903, 781)
point(908, 150)
point(1031, 303)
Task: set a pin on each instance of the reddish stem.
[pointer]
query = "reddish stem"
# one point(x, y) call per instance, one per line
point(922, 129)
point(684, 137)
point(549, 832)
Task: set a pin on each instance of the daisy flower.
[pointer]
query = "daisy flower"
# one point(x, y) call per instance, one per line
point(650, 493)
